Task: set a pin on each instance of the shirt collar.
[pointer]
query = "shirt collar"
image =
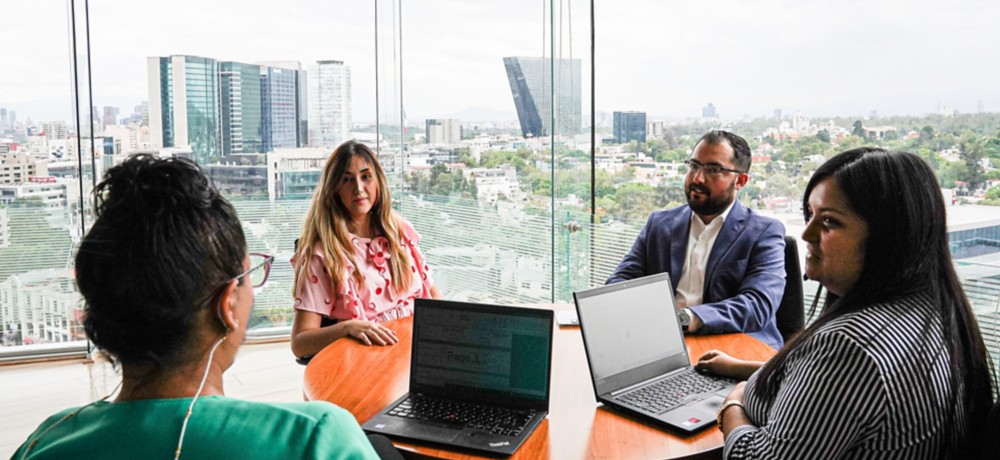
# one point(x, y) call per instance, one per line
point(698, 224)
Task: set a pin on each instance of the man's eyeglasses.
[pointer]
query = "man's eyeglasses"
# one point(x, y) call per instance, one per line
point(711, 170)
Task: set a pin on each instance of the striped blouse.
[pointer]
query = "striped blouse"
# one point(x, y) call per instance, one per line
point(873, 384)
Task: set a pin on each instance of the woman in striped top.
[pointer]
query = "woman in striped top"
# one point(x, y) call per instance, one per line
point(896, 367)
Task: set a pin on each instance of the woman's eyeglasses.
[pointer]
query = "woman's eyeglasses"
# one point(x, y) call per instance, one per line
point(260, 268)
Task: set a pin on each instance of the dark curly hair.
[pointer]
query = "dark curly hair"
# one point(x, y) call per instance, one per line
point(164, 239)
point(742, 157)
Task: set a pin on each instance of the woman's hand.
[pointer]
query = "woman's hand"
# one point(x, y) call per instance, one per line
point(719, 363)
point(369, 332)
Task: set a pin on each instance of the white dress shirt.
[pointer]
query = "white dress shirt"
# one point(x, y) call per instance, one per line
point(701, 238)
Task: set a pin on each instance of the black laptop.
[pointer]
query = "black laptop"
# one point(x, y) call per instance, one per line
point(479, 377)
point(639, 363)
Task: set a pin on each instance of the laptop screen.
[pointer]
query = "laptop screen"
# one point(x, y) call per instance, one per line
point(481, 352)
point(629, 325)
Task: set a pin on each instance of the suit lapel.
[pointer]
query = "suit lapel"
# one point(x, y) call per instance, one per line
point(731, 229)
point(680, 229)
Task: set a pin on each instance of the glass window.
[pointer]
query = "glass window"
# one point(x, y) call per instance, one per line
point(48, 144)
point(524, 186)
point(259, 101)
point(497, 155)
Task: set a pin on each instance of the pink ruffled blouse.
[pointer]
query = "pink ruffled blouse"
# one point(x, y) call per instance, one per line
point(374, 299)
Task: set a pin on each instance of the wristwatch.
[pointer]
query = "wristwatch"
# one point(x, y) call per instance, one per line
point(685, 317)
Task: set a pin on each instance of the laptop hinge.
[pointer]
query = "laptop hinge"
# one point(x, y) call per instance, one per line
point(647, 381)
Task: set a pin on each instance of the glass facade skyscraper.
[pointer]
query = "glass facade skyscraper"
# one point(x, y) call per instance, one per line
point(530, 81)
point(243, 125)
point(629, 126)
point(329, 104)
point(185, 105)
point(203, 108)
point(224, 108)
point(280, 107)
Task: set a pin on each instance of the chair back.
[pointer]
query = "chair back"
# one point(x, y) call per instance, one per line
point(991, 435)
point(790, 317)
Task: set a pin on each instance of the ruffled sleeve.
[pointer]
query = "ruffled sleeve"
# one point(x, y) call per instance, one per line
point(418, 264)
point(317, 295)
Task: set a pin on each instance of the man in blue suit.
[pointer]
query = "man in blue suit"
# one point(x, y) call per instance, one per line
point(726, 262)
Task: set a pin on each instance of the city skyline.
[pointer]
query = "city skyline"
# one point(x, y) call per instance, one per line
point(848, 58)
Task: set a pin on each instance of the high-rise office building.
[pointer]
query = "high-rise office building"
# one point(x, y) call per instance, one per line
point(242, 117)
point(143, 111)
point(531, 83)
point(55, 130)
point(95, 118)
point(443, 131)
point(281, 99)
point(329, 104)
point(228, 107)
point(709, 111)
point(260, 107)
point(301, 100)
point(629, 126)
point(185, 106)
point(110, 116)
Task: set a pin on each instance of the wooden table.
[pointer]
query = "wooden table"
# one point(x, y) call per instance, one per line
point(364, 380)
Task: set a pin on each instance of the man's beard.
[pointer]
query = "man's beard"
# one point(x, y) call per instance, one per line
point(712, 205)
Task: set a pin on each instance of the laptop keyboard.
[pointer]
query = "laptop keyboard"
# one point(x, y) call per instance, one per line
point(469, 415)
point(669, 392)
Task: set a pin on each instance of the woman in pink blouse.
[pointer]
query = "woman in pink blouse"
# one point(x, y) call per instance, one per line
point(357, 261)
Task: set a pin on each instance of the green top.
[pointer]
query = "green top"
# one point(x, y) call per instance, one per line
point(219, 427)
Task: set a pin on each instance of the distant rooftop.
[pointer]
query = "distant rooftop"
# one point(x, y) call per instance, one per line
point(960, 217)
point(970, 216)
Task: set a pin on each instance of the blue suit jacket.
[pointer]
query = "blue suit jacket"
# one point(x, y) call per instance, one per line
point(745, 277)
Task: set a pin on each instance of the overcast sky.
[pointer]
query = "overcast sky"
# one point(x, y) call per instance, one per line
point(665, 57)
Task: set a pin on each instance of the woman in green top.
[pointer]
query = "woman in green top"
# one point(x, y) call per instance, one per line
point(168, 285)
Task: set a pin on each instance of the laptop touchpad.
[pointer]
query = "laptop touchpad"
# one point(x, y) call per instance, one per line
point(432, 431)
point(711, 403)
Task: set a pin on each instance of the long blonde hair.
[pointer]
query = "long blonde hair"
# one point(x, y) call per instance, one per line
point(327, 223)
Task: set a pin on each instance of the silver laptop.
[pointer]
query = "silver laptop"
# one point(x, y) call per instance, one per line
point(639, 363)
point(479, 377)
